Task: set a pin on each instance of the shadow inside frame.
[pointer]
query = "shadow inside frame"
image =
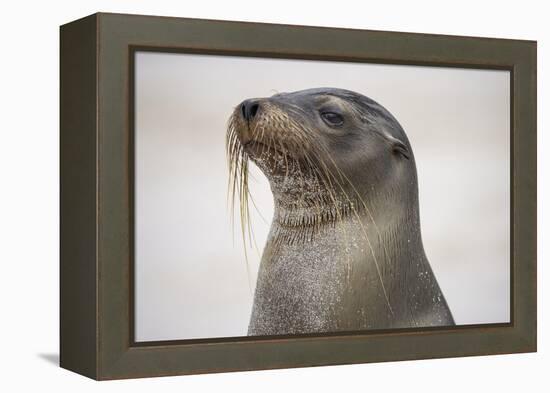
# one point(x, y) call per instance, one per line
point(293, 337)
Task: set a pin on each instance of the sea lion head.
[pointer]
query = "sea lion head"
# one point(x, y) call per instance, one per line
point(326, 152)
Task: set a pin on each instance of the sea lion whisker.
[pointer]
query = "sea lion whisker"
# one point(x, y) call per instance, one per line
point(364, 230)
point(375, 259)
point(367, 209)
point(256, 207)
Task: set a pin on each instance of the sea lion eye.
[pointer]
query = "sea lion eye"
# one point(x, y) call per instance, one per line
point(332, 118)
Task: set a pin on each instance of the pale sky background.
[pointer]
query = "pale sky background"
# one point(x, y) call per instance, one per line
point(191, 274)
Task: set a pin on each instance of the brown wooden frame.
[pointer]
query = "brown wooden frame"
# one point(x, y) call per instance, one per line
point(96, 267)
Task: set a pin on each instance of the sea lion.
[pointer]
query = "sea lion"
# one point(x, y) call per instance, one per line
point(344, 252)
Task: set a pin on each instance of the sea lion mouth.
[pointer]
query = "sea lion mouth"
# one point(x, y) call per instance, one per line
point(256, 149)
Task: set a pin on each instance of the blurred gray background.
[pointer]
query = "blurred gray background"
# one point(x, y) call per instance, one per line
point(191, 277)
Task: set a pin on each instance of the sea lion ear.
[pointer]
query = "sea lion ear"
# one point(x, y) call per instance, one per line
point(400, 148)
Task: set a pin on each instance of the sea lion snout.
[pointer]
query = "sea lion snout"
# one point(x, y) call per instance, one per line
point(247, 114)
point(249, 109)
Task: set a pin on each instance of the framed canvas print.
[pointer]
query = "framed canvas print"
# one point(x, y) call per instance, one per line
point(240, 196)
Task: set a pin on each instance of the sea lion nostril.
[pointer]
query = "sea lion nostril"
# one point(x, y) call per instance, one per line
point(249, 109)
point(254, 109)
